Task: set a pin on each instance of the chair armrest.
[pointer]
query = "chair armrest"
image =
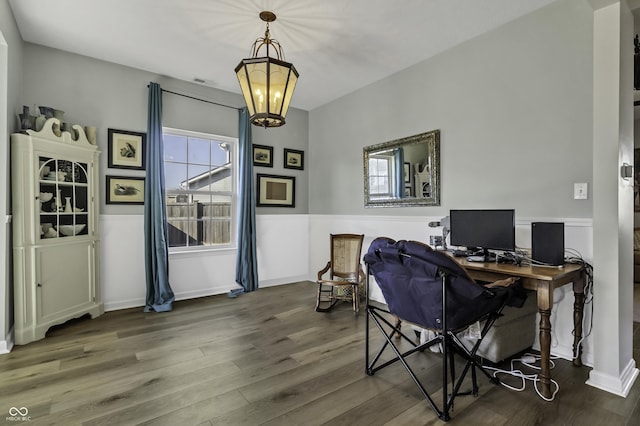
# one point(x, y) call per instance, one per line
point(324, 270)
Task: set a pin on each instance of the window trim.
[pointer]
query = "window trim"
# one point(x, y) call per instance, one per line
point(234, 190)
point(389, 161)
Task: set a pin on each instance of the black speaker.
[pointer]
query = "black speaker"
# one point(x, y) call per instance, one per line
point(547, 242)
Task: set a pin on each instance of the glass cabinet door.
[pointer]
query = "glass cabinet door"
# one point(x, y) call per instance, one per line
point(63, 198)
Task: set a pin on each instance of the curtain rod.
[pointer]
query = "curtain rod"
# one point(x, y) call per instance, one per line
point(198, 99)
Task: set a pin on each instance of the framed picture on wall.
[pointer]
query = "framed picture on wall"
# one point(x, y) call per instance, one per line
point(293, 159)
point(125, 190)
point(275, 191)
point(262, 155)
point(126, 150)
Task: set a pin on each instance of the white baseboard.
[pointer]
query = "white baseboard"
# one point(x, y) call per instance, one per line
point(566, 352)
point(123, 304)
point(616, 385)
point(286, 280)
point(193, 294)
point(7, 345)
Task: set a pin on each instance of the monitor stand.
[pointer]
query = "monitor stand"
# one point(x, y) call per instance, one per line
point(487, 255)
point(481, 255)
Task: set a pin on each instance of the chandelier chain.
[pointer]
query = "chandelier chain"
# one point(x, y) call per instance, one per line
point(267, 41)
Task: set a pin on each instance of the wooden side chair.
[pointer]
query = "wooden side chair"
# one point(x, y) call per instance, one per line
point(346, 278)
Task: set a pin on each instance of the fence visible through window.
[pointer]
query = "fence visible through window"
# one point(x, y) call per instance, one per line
point(197, 223)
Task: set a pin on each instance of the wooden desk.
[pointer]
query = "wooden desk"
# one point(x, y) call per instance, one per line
point(543, 280)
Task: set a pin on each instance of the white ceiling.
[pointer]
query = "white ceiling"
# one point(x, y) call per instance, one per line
point(337, 46)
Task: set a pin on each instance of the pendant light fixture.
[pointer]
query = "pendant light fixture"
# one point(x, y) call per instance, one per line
point(267, 83)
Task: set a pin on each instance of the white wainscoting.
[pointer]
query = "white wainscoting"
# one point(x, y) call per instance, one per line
point(282, 250)
point(122, 276)
point(293, 248)
point(578, 236)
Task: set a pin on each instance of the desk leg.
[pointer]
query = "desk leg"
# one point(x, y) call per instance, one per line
point(578, 313)
point(545, 352)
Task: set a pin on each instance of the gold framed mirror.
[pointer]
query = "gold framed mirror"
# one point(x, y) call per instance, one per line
point(403, 172)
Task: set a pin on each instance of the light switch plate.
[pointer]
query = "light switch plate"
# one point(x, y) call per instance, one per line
point(580, 191)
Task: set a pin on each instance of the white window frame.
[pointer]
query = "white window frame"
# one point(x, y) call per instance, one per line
point(389, 160)
point(233, 153)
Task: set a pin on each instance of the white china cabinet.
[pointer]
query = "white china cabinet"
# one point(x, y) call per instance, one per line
point(55, 229)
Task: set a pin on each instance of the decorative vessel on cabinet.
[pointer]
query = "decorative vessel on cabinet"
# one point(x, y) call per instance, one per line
point(56, 239)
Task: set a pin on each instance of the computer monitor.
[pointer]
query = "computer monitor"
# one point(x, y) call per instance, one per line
point(483, 229)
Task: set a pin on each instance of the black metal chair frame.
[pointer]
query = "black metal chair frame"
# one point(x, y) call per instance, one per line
point(450, 344)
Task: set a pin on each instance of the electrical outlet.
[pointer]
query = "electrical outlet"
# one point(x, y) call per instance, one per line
point(580, 191)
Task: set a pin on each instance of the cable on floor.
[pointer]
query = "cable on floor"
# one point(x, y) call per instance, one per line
point(527, 360)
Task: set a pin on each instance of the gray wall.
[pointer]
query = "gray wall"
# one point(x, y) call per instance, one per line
point(11, 82)
point(15, 44)
point(514, 107)
point(102, 94)
point(107, 95)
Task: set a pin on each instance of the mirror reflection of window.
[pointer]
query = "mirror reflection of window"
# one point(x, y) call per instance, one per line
point(379, 166)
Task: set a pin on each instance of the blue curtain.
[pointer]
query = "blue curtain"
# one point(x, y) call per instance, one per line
point(247, 262)
point(159, 294)
point(398, 164)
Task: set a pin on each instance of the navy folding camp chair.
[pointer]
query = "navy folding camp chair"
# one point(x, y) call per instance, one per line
point(431, 290)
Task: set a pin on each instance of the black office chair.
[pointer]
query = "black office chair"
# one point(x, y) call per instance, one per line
point(431, 290)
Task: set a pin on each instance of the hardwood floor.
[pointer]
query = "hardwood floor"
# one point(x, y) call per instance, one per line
point(264, 358)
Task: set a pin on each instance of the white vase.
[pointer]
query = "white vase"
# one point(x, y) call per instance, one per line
point(67, 206)
point(91, 133)
point(59, 201)
point(40, 122)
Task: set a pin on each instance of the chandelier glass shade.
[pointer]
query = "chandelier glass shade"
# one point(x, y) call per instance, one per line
point(267, 82)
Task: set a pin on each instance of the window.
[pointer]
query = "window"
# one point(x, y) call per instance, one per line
point(200, 182)
point(379, 172)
